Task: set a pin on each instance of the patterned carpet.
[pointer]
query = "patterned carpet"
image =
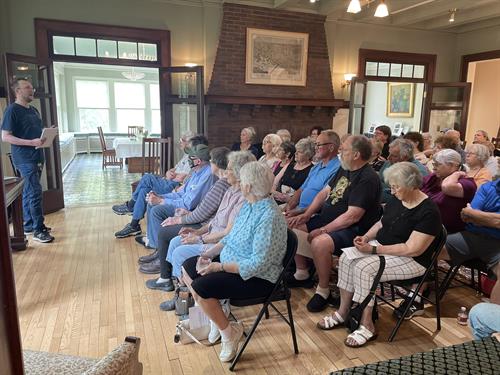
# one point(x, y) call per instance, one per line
point(86, 183)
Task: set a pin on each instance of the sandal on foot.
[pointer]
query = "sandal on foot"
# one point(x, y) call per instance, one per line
point(360, 336)
point(330, 322)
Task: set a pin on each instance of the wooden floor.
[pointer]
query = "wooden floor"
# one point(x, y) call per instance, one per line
point(83, 294)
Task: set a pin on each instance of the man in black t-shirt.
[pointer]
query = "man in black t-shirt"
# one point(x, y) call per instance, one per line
point(347, 207)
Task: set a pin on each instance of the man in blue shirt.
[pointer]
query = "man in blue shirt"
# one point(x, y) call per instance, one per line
point(22, 128)
point(481, 238)
point(327, 148)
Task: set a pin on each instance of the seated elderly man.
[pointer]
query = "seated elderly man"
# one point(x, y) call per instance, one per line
point(327, 147)
point(481, 238)
point(188, 197)
point(159, 184)
point(250, 260)
point(399, 150)
point(348, 206)
point(404, 234)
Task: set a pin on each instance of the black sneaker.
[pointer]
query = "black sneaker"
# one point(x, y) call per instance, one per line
point(166, 286)
point(141, 240)
point(317, 303)
point(128, 231)
point(416, 309)
point(42, 236)
point(28, 231)
point(121, 209)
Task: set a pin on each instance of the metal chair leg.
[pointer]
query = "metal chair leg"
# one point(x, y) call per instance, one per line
point(292, 326)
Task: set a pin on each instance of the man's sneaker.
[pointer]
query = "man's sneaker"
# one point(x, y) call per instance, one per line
point(143, 240)
point(166, 286)
point(416, 309)
point(317, 303)
point(128, 231)
point(43, 236)
point(149, 258)
point(121, 209)
point(28, 231)
point(31, 230)
point(151, 268)
point(230, 348)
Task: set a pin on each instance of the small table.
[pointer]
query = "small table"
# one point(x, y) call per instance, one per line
point(127, 148)
point(14, 199)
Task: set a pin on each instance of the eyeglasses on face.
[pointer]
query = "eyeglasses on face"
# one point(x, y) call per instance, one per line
point(318, 145)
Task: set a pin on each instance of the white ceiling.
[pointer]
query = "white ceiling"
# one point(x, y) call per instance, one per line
point(411, 14)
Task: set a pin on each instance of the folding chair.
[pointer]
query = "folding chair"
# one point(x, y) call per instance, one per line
point(474, 265)
point(280, 292)
point(431, 274)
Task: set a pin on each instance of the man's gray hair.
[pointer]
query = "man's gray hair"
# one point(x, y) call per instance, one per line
point(362, 144)
point(306, 146)
point(404, 174)
point(405, 148)
point(259, 177)
point(238, 159)
point(333, 137)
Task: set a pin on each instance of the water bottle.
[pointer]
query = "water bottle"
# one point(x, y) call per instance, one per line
point(462, 316)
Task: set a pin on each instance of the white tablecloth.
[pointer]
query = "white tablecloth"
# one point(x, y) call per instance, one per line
point(127, 148)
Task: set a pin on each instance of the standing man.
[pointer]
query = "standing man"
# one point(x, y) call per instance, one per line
point(22, 128)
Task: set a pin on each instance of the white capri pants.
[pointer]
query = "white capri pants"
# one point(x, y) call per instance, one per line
point(356, 275)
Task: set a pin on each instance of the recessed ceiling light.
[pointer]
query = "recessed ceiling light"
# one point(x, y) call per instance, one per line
point(23, 67)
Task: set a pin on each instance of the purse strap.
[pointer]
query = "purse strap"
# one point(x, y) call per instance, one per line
point(180, 327)
point(376, 280)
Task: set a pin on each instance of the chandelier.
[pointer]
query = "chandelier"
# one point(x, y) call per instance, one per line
point(132, 75)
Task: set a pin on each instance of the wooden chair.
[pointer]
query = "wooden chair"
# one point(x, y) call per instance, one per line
point(108, 155)
point(133, 131)
point(156, 155)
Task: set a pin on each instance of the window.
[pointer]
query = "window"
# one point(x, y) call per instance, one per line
point(382, 69)
point(130, 103)
point(154, 98)
point(92, 100)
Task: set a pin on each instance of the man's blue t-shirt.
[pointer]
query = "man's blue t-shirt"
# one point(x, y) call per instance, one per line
point(487, 199)
point(24, 123)
point(317, 179)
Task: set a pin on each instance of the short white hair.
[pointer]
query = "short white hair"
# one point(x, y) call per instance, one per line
point(284, 134)
point(404, 174)
point(251, 132)
point(238, 159)
point(259, 177)
point(482, 152)
point(307, 147)
point(448, 156)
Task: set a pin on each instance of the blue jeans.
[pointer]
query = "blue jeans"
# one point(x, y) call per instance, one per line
point(484, 319)
point(156, 214)
point(178, 253)
point(32, 196)
point(149, 182)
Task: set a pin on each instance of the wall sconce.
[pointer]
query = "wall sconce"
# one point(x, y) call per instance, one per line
point(452, 15)
point(347, 80)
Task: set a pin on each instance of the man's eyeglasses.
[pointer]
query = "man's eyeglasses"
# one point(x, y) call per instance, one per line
point(318, 145)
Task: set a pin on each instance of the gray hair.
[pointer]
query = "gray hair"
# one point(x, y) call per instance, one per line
point(482, 152)
point(238, 159)
point(250, 130)
point(218, 156)
point(448, 156)
point(187, 135)
point(405, 148)
point(284, 134)
point(259, 177)
point(306, 146)
point(333, 137)
point(361, 144)
point(275, 140)
point(404, 174)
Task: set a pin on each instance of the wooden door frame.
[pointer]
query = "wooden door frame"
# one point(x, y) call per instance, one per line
point(466, 59)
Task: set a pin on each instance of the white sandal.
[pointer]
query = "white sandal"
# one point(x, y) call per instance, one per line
point(360, 336)
point(330, 322)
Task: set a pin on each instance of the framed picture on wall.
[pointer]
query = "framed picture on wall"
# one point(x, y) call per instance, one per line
point(276, 57)
point(400, 99)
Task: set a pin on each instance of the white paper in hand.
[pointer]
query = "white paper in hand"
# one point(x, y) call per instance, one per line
point(353, 253)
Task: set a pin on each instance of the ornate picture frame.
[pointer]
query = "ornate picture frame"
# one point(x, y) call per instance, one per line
point(400, 99)
point(276, 57)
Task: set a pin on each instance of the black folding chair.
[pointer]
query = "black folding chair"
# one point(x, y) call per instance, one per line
point(280, 292)
point(431, 274)
point(474, 265)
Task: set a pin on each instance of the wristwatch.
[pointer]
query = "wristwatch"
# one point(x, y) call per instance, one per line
point(374, 249)
point(322, 230)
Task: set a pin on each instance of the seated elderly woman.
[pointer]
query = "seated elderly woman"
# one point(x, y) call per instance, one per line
point(285, 154)
point(476, 157)
point(404, 234)
point(285, 135)
point(449, 188)
point(194, 242)
point(247, 137)
point(270, 146)
point(250, 259)
point(290, 178)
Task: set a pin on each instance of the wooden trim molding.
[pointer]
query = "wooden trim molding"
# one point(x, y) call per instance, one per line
point(44, 28)
point(428, 60)
point(219, 99)
point(466, 59)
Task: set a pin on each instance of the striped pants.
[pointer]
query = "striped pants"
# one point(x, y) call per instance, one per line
point(356, 275)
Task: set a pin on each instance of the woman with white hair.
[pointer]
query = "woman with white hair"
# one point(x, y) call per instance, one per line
point(404, 234)
point(247, 137)
point(270, 146)
point(476, 157)
point(285, 135)
point(449, 188)
point(250, 260)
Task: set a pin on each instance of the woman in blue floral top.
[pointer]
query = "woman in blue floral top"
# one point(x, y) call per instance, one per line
point(250, 260)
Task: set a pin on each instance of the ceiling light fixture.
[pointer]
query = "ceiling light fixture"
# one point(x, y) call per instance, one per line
point(133, 75)
point(190, 65)
point(452, 15)
point(312, 1)
point(354, 7)
point(23, 67)
point(382, 10)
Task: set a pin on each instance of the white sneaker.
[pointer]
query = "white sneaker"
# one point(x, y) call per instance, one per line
point(230, 348)
point(214, 334)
